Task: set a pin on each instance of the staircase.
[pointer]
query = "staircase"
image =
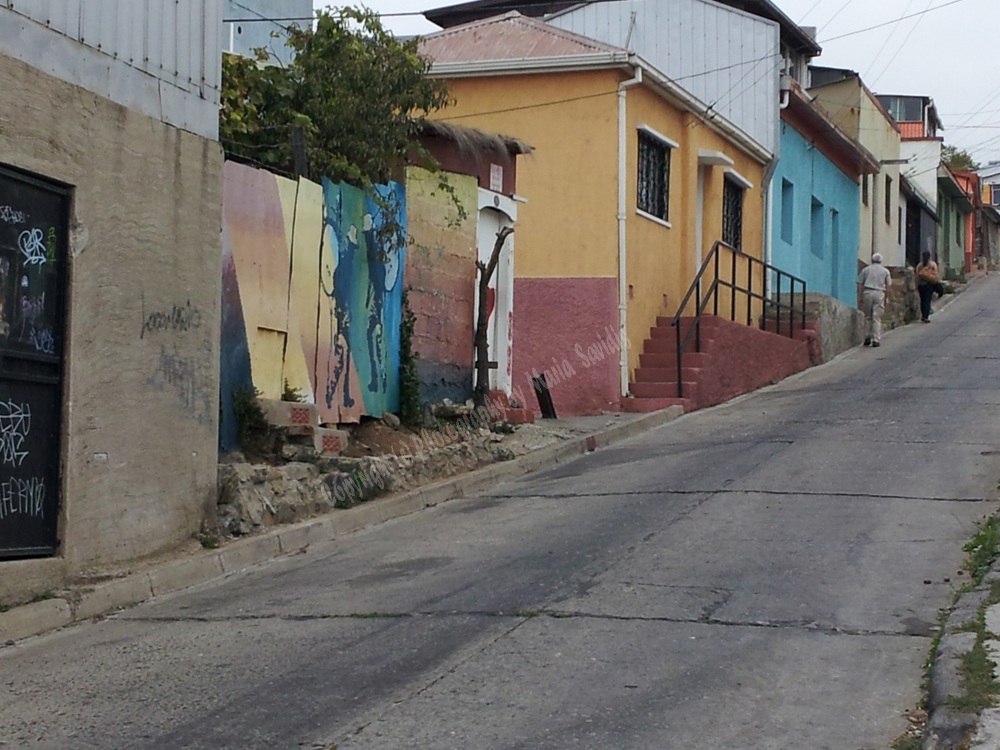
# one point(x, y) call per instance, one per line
point(702, 359)
point(655, 385)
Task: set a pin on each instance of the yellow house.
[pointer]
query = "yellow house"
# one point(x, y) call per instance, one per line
point(626, 192)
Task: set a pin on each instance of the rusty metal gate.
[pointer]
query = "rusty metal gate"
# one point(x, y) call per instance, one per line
point(34, 225)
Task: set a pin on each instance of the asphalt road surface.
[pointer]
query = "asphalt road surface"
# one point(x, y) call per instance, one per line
point(749, 577)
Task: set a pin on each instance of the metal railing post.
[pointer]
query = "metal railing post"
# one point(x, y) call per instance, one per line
point(778, 315)
point(680, 384)
point(749, 289)
point(803, 305)
point(732, 291)
point(716, 251)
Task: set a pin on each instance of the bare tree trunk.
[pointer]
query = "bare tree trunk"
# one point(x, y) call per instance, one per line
point(482, 391)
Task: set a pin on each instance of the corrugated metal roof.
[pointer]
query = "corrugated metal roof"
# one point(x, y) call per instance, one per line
point(511, 36)
point(793, 34)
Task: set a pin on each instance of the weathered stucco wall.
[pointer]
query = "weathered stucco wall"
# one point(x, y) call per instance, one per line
point(441, 278)
point(141, 376)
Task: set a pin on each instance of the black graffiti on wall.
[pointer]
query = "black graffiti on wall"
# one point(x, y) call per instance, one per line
point(184, 376)
point(180, 318)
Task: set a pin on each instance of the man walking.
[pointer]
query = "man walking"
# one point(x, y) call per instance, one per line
point(874, 284)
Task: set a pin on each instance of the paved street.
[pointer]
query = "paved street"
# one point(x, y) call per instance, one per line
point(747, 577)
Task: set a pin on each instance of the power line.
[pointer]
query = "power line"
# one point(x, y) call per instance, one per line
point(513, 5)
point(806, 14)
point(901, 47)
point(613, 92)
point(834, 16)
point(886, 42)
point(890, 23)
point(978, 112)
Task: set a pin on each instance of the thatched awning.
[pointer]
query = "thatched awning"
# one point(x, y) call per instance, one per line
point(474, 141)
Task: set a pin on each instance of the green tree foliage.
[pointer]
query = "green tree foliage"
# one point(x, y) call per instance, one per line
point(355, 90)
point(958, 159)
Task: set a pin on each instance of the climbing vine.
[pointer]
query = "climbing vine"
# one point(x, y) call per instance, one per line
point(410, 406)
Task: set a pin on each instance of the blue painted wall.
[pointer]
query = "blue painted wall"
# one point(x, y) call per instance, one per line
point(816, 219)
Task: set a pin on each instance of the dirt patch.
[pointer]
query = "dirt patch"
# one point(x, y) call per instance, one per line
point(373, 437)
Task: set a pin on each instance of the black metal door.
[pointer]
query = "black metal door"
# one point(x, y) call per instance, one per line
point(34, 223)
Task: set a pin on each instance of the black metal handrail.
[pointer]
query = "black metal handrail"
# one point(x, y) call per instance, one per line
point(769, 303)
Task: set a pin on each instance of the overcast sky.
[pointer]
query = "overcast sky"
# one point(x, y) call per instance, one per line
point(944, 54)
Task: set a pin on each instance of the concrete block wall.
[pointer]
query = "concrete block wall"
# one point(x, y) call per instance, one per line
point(140, 394)
point(441, 277)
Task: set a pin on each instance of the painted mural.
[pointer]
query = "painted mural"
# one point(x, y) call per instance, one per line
point(312, 292)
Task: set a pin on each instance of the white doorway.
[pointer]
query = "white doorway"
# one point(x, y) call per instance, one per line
point(497, 211)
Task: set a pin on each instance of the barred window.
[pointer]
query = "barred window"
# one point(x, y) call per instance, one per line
point(654, 176)
point(732, 215)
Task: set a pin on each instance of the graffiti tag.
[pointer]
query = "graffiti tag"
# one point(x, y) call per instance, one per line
point(22, 496)
point(4, 272)
point(179, 318)
point(12, 216)
point(50, 245)
point(32, 308)
point(32, 244)
point(43, 341)
point(15, 424)
point(182, 374)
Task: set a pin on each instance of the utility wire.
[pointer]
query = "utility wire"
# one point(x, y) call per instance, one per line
point(890, 23)
point(834, 16)
point(901, 48)
point(887, 40)
point(806, 14)
point(513, 5)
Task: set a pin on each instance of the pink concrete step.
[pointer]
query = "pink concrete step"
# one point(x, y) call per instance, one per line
point(669, 346)
point(519, 416)
point(666, 374)
point(646, 405)
point(515, 416)
point(661, 390)
point(691, 359)
point(706, 320)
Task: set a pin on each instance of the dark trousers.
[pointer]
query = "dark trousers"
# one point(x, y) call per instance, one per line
point(926, 292)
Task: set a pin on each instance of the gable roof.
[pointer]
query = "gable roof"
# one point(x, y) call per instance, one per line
point(452, 15)
point(511, 36)
point(513, 44)
point(815, 123)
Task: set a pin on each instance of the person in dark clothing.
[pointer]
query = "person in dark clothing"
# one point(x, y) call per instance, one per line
point(928, 282)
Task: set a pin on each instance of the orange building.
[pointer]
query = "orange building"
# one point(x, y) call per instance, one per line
point(626, 191)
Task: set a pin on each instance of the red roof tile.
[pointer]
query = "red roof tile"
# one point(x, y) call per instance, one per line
point(507, 37)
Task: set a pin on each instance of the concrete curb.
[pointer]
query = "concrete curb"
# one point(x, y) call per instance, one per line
point(40, 617)
point(948, 728)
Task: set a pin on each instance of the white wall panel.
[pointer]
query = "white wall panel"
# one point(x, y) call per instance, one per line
point(176, 42)
point(726, 58)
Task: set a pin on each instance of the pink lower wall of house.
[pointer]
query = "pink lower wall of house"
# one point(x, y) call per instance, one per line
point(745, 359)
point(566, 327)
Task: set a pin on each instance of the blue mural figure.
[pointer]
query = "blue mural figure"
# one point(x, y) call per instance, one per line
point(375, 301)
point(360, 276)
point(341, 255)
point(383, 266)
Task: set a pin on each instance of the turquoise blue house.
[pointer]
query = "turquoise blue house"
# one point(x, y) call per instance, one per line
point(816, 199)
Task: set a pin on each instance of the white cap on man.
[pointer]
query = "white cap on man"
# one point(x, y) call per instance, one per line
point(877, 258)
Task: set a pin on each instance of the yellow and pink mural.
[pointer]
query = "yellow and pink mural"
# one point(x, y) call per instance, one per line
point(312, 293)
